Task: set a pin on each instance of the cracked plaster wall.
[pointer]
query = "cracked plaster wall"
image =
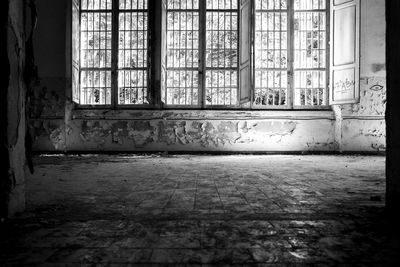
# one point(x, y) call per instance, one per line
point(14, 160)
point(199, 135)
point(363, 124)
point(57, 127)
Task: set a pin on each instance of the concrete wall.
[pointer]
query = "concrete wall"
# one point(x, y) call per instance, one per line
point(13, 125)
point(363, 124)
point(393, 112)
point(57, 126)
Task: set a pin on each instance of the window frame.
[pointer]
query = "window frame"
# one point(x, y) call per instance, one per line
point(290, 62)
point(115, 11)
point(200, 61)
point(202, 68)
point(156, 75)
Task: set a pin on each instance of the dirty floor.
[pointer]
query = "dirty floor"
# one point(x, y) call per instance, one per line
point(187, 210)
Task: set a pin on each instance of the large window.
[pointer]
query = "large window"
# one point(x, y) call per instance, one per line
point(113, 52)
point(202, 53)
point(290, 53)
point(242, 54)
point(183, 53)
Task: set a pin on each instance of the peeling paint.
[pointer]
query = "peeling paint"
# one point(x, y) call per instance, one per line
point(141, 132)
point(372, 101)
point(95, 131)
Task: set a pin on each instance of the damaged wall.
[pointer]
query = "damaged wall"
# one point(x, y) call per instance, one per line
point(199, 131)
point(58, 127)
point(13, 109)
point(362, 125)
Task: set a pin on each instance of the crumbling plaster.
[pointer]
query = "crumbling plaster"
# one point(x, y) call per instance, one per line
point(15, 161)
point(362, 125)
point(187, 130)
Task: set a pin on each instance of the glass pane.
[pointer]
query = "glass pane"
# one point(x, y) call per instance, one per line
point(132, 87)
point(310, 40)
point(182, 83)
point(132, 4)
point(182, 87)
point(96, 4)
point(132, 53)
point(95, 87)
point(271, 53)
point(222, 39)
point(309, 4)
point(310, 53)
point(182, 4)
point(132, 46)
point(221, 52)
point(221, 87)
point(95, 36)
point(222, 4)
point(270, 88)
point(271, 4)
point(310, 88)
point(95, 52)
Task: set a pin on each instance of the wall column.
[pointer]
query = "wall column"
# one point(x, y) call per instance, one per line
point(393, 107)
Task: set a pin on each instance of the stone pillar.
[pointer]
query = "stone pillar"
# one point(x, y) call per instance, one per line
point(393, 107)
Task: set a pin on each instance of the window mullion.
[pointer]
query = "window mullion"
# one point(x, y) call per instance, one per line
point(202, 52)
point(114, 54)
point(290, 52)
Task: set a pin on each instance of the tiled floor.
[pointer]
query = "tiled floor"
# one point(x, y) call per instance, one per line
point(211, 210)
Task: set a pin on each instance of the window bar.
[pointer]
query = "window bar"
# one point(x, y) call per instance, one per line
point(274, 60)
point(262, 34)
point(88, 52)
point(121, 51)
point(218, 62)
point(173, 55)
point(186, 58)
point(144, 53)
point(179, 55)
point(290, 48)
point(202, 53)
point(319, 103)
point(225, 65)
point(192, 52)
point(230, 49)
point(136, 50)
point(114, 53)
point(93, 57)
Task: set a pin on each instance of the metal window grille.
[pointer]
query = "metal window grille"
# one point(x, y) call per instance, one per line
point(271, 53)
point(114, 40)
point(202, 45)
point(183, 40)
point(202, 38)
point(221, 53)
point(290, 48)
point(310, 53)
